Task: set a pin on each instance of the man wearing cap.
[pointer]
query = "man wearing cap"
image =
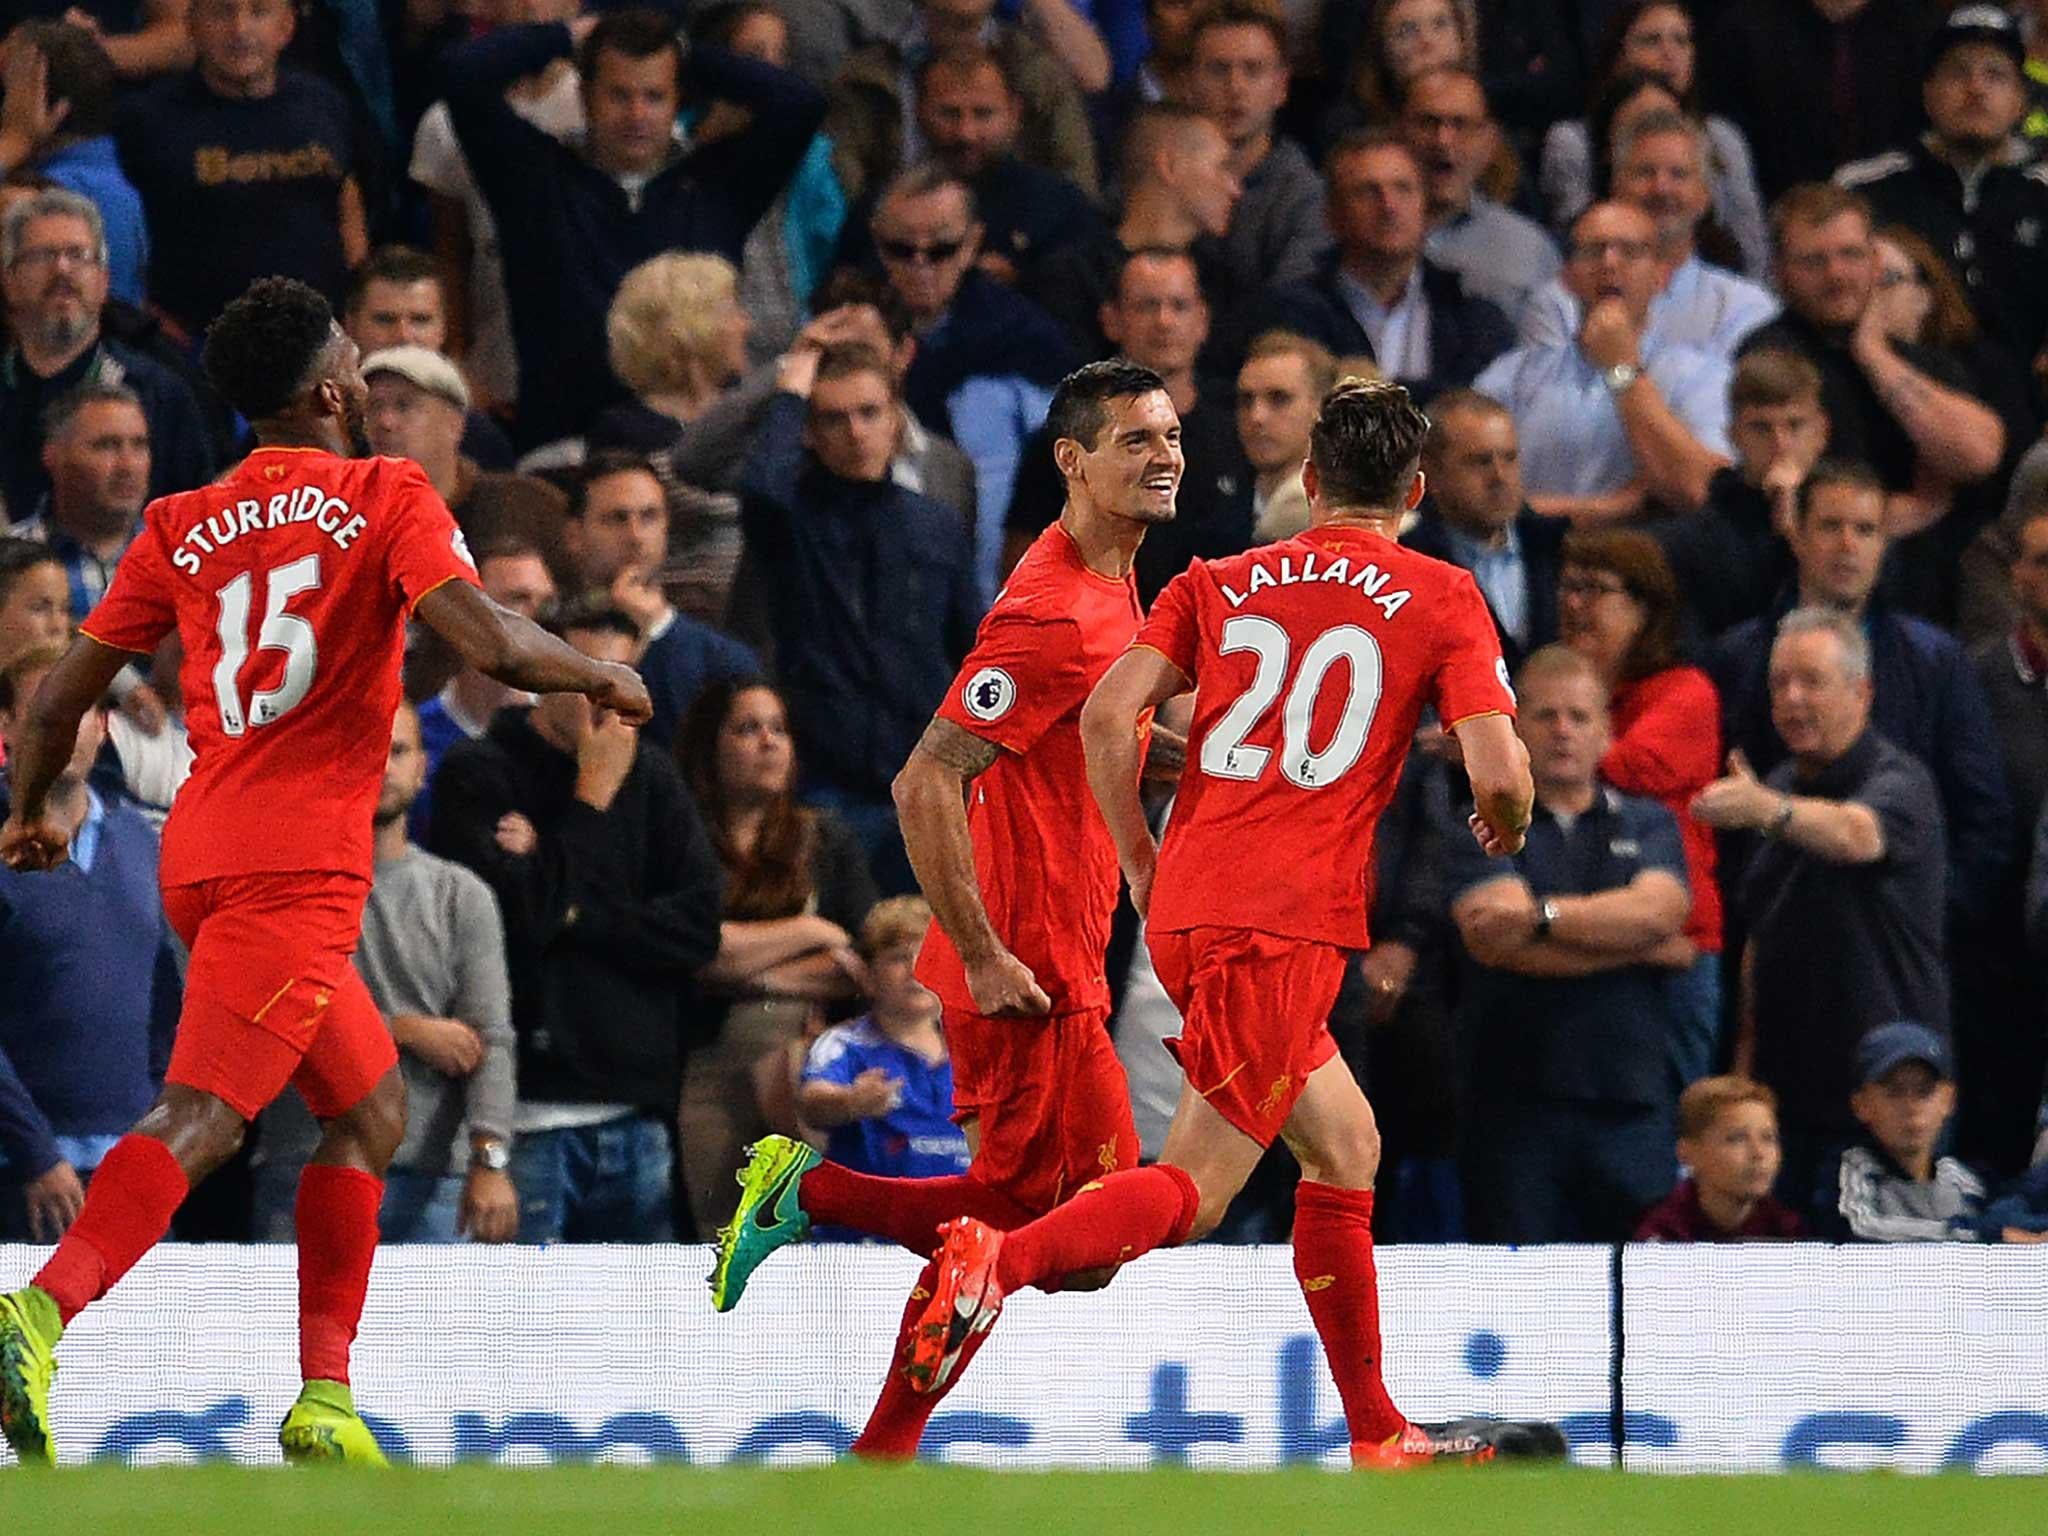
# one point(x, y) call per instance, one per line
point(1890, 1187)
point(1968, 184)
point(1844, 895)
point(418, 407)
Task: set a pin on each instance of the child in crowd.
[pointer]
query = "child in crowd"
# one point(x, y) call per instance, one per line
point(1728, 1138)
point(881, 1086)
point(1890, 1187)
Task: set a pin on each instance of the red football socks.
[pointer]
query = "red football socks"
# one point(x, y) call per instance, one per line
point(1124, 1215)
point(897, 1423)
point(134, 1193)
point(337, 1225)
point(1333, 1262)
point(905, 1211)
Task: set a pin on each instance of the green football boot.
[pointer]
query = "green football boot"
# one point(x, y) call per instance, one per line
point(29, 1330)
point(324, 1428)
point(768, 1217)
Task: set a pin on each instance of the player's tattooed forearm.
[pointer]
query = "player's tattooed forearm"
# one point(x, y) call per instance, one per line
point(962, 751)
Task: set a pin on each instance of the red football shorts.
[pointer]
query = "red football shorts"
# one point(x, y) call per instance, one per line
point(270, 996)
point(1255, 1018)
point(1053, 1110)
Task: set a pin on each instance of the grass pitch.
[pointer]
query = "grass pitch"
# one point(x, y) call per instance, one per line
point(938, 1501)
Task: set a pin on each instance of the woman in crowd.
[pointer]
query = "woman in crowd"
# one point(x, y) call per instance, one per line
point(678, 339)
point(1618, 606)
point(1653, 39)
point(796, 890)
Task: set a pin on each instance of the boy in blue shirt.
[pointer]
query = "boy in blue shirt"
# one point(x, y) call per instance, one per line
point(882, 1086)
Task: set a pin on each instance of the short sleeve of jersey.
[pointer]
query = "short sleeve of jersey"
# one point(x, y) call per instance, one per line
point(1024, 673)
point(425, 548)
point(1472, 677)
point(831, 1059)
point(137, 610)
point(1174, 627)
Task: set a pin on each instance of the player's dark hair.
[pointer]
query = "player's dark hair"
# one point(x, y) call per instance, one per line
point(602, 465)
point(1845, 472)
point(634, 33)
point(1080, 406)
point(80, 73)
point(401, 264)
point(588, 613)
point(260, 349)
point(1366, 443)
point(773, 877)
point(19, 556)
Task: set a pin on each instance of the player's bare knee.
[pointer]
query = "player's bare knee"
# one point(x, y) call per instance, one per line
point(201, 1131)
point(375, 1126)
point(1209, 1212)
point(1347, 1159)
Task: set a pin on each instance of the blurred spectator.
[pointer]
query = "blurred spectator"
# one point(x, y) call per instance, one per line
point(789, 251)
point(1844, 898)
point(1614, 419)
point(1378, 296)
point(53, 255)
point(239, 144)
point(1967, 186)
point(968, 113)
point(872, 121)
point(1728, 1143)
point(2014, 670)
point(1730, 557)
point(96, 452)
point(1907, 410)
point(1892, 1186)
point(1178, 194)
point(465, 236)
point(93, 987)
point(58, 123)
point(1280, 389)
point(1567, 1016)
point(35, 599)
point(516, 576)
point(1848, 65)
point(1098, 41)
point(1238, 78)
point(142, 37)
point(617, 537)
point(677, 337)
point(1159, 321)
point(2032, 15)
point(1401, 41)
point(417, 408)
point(1618, 607)
point(876, 593)
point(1654, 39)
point(1660, 165)
point(574, 220)
point(796, 891)
point(1164, 76)
point(986, 359)
point(397, 298)
point(1477, 517)
point(1500, 255)
point(609, 892)
point(433, 956)
point(1926, 700)
point(882, 1084)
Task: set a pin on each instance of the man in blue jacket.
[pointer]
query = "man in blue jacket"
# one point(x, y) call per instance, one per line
point(574, 219)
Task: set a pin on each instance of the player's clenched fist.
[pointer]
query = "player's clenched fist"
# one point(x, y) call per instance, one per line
point(1498, 844)
point(623, 694)
point(33, 845)
point(1003, 987)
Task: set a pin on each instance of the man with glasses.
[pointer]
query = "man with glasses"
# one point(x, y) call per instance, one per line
point(987, 358)
point(53, 271)
point(1614, 420)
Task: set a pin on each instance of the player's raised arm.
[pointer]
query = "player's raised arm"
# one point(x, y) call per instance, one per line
point(1142, 679)
point(517, 652)
point(43, 745)
point(931, 805)
point(1503, 794)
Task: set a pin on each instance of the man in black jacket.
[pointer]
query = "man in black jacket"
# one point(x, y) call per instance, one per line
point(610, 894)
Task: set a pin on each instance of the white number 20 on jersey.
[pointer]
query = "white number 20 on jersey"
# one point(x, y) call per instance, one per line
point(1224, 753)
point(281, 631)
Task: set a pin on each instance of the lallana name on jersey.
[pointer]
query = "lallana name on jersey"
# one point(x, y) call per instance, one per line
point(1370, 580)
point(307, 504)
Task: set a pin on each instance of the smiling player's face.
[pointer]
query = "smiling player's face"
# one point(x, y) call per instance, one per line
point(1133, 471)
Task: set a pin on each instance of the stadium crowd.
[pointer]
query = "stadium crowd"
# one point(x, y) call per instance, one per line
point(727, 330)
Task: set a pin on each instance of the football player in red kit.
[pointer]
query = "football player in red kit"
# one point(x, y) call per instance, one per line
point(1312, 661)
point(289, 583)
point(1021, 874)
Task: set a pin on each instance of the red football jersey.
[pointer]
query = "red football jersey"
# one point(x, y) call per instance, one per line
point(1042, 852)
point(289, 582)
point(1312, 660)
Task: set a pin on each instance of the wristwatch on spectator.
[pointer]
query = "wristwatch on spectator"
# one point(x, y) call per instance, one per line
point(489, 1152)
point(1620, 376)
point(1546, 914)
